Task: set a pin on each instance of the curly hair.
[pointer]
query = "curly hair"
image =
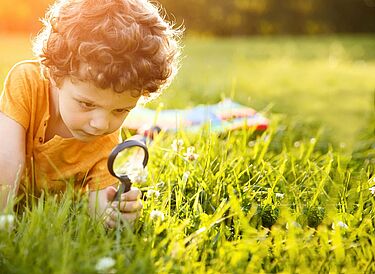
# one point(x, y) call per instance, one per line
point(117, 44)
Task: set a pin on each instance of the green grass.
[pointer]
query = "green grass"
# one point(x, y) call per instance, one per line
point(325, 80)
point(226, 217)
point(252, 203)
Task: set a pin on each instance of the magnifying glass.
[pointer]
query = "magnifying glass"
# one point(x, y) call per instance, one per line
point(131, 152)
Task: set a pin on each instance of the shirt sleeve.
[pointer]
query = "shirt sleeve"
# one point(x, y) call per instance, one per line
point(99, 176)
point(15, 100)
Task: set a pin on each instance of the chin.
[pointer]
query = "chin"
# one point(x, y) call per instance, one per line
point(84, 137)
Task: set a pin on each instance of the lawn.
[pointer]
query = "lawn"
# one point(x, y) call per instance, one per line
point(327, 81)
point(293, 199)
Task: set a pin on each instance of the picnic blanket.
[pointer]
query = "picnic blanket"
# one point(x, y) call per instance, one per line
point(224, 116)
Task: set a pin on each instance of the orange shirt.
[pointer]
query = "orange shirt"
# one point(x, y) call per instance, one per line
point(60, 161)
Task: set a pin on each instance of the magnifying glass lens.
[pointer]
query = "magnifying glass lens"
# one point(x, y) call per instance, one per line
point(127, 160)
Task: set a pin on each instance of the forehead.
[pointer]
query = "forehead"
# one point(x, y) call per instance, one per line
point(102, 97)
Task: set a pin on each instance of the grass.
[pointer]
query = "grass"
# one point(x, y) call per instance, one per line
point(289, 200)
point(325, 80)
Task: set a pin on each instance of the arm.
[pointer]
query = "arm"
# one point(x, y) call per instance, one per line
point(12, 158)
point(101, 204)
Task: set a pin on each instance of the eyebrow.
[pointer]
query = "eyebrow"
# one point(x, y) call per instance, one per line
point(82, 98)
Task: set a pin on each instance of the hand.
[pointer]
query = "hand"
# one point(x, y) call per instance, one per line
point(128, 209)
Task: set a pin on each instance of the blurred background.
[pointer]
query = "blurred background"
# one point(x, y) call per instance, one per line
point(311, 61)
point(231, 17)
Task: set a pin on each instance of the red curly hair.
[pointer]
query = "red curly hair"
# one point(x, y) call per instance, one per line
point(117, 44)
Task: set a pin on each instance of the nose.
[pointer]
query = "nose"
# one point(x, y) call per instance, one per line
point(99, 123)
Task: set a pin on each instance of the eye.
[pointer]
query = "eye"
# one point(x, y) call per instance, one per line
point(86, 105)
point(121, 110)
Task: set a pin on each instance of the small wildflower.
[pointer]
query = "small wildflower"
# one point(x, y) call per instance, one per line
point(152, 192)
point(6, 222)
point(105, 264)
point(372, 190)
point(313, 141)
point(342, 145)
point(251, 144)
point(297, 144)
point(190, 155)
point(177, 145)
point(266, 137)
point(340, 224)
point(185, 176)
point(279, 195)
point(136, 172)
point(293, 224)
point(156, 214)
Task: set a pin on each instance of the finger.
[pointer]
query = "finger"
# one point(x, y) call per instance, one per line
point(113, 213)
point(130, 217)
point(132, 195)
point(111, 193)
point(113, 217)
point(129, 206)
point(109, 223)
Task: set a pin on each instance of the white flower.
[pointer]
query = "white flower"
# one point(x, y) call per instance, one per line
point(105, 264)
point(185, 176)
point(140, 176)
point(152, 192)
point(251, 144)
point(190, 155)
point(340, 224)
point(6, 222)
point(312, 140)
point(266, 137)
point(136, 172)
point(279, 195)
point(297, 144)
point(293, 224)
point(177, 145)
point(342, 145)
point(372, 189)
point(156, 214)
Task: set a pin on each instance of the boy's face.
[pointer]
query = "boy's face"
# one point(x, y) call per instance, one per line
point(89, 112)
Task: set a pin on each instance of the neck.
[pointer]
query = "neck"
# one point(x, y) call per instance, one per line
point(54, 103)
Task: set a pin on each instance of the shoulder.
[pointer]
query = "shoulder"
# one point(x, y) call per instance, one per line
point(26, 79)
point(21, 87)
point(27, 70)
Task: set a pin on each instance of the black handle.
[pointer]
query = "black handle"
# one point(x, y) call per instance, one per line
point(124, 187)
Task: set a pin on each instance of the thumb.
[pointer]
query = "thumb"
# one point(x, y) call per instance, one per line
point(111, 193)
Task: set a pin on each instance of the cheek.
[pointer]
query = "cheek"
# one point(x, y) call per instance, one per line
point(70, 113)
point(117, 123)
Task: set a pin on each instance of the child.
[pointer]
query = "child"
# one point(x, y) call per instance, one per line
point(60, 114)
